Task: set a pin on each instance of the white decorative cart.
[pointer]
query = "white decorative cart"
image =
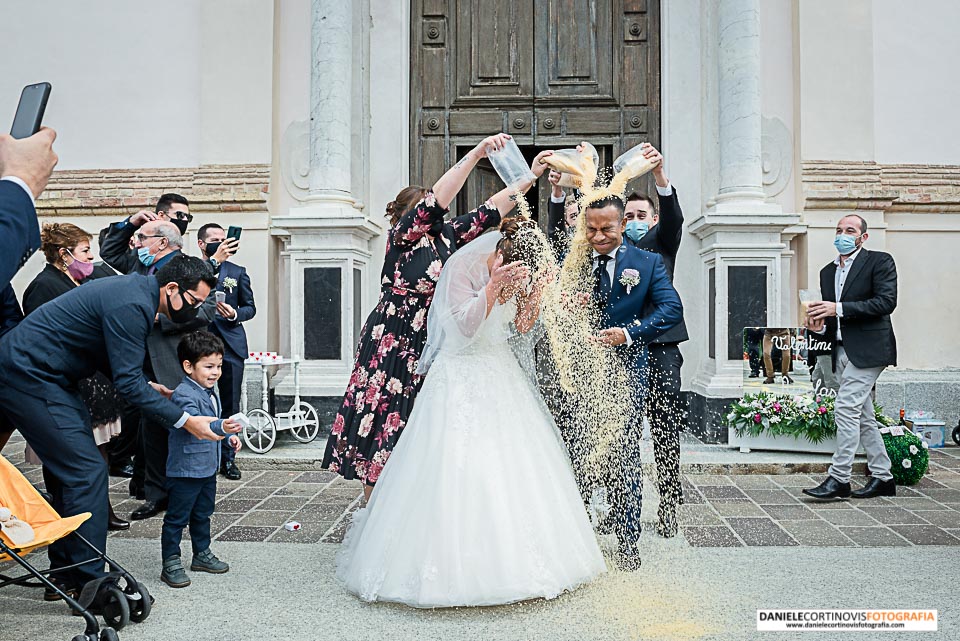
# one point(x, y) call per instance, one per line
point(301, 420)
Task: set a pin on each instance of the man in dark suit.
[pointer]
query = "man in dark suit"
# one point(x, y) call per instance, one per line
point(156, 240)
point(25, 168)
point(562, 212)
point(633, 314)
point(859, 290)
point(233, 284)
point(660, 233)
point(102, 326)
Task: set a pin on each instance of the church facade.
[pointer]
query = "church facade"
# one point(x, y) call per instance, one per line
point(300, 119)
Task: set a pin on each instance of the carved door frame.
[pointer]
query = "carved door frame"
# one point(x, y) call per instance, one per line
point(448, 111)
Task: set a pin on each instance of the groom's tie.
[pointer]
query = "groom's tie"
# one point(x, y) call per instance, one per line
point(601, 281)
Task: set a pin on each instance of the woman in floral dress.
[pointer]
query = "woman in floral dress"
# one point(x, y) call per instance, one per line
point(383, 385)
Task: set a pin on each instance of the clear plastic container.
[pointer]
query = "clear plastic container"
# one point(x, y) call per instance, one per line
point(633, 163)
point(808, 296)
point(579, 164)
point(511, 166)
point(570, 181)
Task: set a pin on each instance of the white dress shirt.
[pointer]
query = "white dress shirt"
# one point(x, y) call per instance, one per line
point(839, 279)
point(611, 270)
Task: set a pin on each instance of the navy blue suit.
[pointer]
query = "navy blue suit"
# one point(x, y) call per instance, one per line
point(10, 312)
point(192, 465)
point(648, 310)
point(19, 230)
point(240, 298)
point(102, 326)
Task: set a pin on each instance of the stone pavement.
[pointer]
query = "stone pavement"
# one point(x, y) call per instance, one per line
point(747, 541)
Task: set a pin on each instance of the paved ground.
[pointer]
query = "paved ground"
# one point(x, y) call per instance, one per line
point(748, 542)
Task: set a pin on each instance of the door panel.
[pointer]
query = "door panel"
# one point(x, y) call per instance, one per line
point(574, 50)
point(549, 72)
point(494, 51)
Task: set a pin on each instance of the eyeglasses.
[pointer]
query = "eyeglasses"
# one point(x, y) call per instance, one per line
point(141, 237)
point(189, 298)
point(180, 215)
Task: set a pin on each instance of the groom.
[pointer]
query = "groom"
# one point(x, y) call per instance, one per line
point(626, 281)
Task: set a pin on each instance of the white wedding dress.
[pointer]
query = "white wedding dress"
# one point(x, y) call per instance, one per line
point(477, 504)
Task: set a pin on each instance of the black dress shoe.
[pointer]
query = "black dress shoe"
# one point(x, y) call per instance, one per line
point(148, 509)
point(628, 557)
point(876, 487)
point(830, 489)
point(124, 471)
point(231, 471)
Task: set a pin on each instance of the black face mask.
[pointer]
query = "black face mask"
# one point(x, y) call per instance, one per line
point(180, 224)
point(183, 315)
point(211, 248)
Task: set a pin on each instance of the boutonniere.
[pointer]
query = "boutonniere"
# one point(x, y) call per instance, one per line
point(229, 284)
point(630, 278)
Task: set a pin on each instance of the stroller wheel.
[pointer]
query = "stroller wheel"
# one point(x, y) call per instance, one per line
point(140, 608)
point(109, 634)
point(956, 434)
point(116, 609)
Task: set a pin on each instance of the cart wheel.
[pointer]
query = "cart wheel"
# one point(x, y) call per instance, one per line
point(262, 433)
point(140, 607)
point(109, 634)
point(306, 423)
point(116, 608)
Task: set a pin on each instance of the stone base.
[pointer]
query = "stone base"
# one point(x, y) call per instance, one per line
point(705, 417)
point(936, 391)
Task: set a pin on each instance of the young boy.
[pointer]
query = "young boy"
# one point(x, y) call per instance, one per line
point(192, 463)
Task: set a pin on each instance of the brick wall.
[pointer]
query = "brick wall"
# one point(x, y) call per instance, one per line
point(121, 192)
point(868, 185)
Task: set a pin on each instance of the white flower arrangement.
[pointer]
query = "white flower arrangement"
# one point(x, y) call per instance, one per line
point(229, 284)
point(630, 278)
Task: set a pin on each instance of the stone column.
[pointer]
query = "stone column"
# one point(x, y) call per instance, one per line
point(741, 173)
point(331, 105)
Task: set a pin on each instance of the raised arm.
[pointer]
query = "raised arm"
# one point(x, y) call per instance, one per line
point(528, 311)
point(450, 184)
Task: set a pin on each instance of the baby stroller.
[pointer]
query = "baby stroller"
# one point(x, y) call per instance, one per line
point(118, 596)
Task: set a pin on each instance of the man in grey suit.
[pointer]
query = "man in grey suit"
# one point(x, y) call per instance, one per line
point(102, 326)
point(859, 290)
point(157, 240)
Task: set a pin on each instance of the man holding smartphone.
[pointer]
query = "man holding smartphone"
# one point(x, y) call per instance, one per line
point(235, 305)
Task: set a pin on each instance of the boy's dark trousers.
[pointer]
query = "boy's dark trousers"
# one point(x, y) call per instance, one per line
point(190, 503)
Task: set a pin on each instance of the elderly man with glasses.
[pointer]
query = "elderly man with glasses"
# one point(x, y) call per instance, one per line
point(157, 239)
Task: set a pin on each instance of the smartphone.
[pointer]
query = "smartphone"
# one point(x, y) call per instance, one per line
point(234, 232)
point(33, 102)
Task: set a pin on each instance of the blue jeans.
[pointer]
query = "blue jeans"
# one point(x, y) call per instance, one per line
point(190, 503)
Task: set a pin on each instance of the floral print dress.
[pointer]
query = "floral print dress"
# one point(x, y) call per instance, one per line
point(383, 385)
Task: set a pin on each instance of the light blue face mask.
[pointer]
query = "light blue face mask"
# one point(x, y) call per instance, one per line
point(636, 230)
point(143, 253)
point(845, 244)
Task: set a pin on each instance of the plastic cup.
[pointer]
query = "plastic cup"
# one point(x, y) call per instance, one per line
point(633, 163)
point(510, 165)
point(808, 296)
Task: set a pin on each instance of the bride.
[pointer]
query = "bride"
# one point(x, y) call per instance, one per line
point(477, 504)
